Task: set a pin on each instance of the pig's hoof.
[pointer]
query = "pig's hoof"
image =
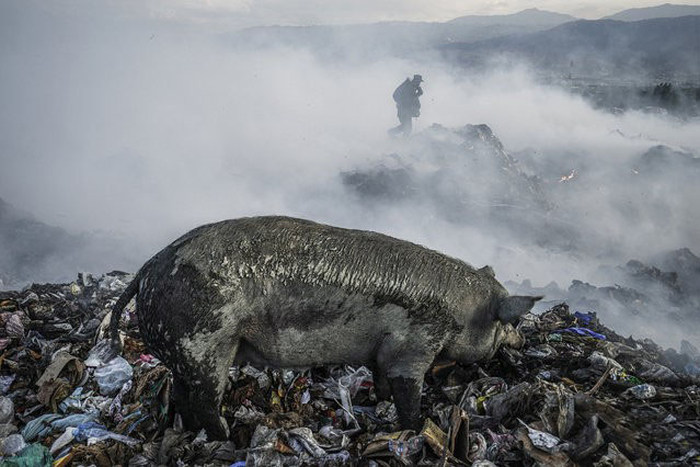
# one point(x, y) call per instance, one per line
point(217, 429)
point(417, 425)
point(224, 425)
point(214, 425)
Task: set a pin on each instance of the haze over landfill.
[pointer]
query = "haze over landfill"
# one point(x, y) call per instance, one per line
point(124, 124)
point(535, 166)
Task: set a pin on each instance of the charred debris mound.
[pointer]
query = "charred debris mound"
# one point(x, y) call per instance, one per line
point(449, 166)
point(665, 290)
point(576, 393)
point(466, 177)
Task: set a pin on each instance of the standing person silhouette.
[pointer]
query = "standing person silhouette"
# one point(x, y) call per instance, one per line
point(407, 104)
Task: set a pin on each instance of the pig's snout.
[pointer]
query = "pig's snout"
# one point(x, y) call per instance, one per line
point(511, 337)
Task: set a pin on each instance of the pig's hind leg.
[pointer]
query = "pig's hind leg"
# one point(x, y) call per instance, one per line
point(194, 330)
point(199, 386)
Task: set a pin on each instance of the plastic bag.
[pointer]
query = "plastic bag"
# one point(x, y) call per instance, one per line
point(73, 421)
point(302, 439)
point(31, 456)
point(7, 410)
point(94, 433)
point(113, 375)
point(6, 383)
point(100, 354)
point(64, 440)
point(544, 441)
point(13, 444)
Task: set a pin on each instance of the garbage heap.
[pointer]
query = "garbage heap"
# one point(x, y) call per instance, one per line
point(575, 393)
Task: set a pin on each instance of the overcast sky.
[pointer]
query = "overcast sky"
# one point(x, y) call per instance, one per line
point(302, 12)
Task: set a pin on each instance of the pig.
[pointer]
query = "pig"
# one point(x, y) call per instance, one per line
point(291, 293)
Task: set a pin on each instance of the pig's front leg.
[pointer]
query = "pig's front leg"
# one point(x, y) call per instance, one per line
point(407, 397)
point(382, 387)
point(403, 360)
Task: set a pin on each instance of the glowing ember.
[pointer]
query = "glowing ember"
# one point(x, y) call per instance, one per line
point(566, 178)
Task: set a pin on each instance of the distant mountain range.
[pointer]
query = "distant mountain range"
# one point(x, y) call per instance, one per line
point(666, 10)
point(656, 47)
point(644, 42)
point(401, 38)
point(530, 17)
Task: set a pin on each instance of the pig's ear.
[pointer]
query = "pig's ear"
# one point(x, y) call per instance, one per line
point(488, 270)
point(513, 307)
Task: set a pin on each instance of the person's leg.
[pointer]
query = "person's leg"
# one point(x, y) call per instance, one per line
point(408, 126)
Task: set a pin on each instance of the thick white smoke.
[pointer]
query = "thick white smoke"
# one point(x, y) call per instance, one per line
point(141, 131)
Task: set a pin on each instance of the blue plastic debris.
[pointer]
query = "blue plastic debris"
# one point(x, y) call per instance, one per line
point(585, 318)
point(73, 420)
point(40, 427)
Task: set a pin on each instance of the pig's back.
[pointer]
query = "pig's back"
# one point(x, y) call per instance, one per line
point(260, 253)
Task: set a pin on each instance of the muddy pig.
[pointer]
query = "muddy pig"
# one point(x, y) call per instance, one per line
point(292, 293)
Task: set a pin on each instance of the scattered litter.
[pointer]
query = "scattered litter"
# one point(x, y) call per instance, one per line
point(93, 432)
point(573, 392)
point(643, 391)
point(400, 445)
point(543, 440)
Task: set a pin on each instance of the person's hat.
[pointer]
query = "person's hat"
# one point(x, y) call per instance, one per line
point(417, 77)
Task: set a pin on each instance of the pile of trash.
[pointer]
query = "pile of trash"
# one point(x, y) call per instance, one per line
point(635, 295)
point(443, 170)
point(575, 393)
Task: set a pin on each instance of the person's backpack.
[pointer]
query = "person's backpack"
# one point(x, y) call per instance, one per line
point(400, 92)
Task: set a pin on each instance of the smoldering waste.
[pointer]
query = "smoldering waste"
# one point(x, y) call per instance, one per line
point(576, 393)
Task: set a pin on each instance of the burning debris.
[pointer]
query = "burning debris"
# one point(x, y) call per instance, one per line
point(575, 392)
point(569, 177)
point(455, 158)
